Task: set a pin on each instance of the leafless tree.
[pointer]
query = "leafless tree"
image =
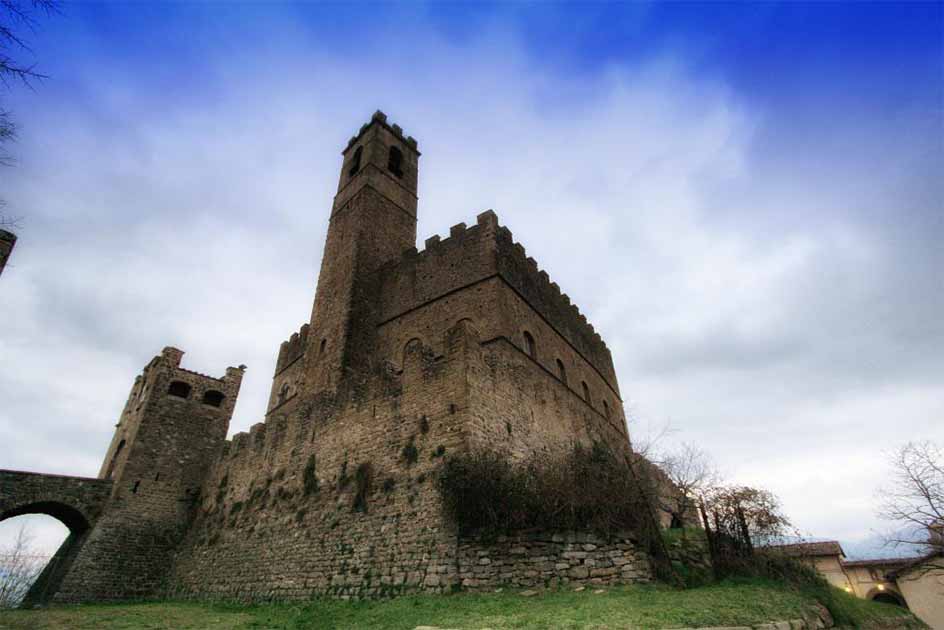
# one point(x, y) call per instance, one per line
point(647, 435)
point(756, 511)
point(694, 474)
point(914, 498)
point(16, 17)
point(20, 565)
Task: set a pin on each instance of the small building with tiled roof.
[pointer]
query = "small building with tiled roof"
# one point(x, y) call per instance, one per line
point(825, 556)
point(916, 583)
point(921, 582)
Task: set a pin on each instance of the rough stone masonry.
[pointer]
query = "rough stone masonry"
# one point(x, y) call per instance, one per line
point(408, 358)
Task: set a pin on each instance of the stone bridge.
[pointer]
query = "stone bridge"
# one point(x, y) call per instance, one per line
point(76, 501)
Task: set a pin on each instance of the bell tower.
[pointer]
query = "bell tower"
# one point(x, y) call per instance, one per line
point(373, 220)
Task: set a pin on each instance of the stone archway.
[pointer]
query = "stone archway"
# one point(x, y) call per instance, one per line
point(76, 502)
point(68, 515)
point(886, 596)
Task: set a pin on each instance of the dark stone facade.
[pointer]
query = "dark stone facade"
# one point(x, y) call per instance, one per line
point(7, 242)
point(408, 358)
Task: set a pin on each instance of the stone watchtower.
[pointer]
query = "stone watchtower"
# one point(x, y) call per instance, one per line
point(409, 357)
point(171, 429)
point(373, 221)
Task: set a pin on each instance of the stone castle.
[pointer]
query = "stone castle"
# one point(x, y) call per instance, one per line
point(408, 357)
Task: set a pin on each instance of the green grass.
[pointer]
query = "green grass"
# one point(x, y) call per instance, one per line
point(857, 612)
point(671, 536)
point(734, 603)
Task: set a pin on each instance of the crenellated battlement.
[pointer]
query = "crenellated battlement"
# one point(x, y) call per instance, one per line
point(551, 291)
point(470, 254)
point(292, 348)
point(535, 286)
point(219, 379)
point(487, 223)
point(396, 130)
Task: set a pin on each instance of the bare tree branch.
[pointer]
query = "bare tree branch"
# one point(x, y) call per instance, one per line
point(913, 499)
point(15, 17)
point(693, 473)
point(20, 565)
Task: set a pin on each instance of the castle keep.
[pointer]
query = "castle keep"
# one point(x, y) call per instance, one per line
point(408, 357)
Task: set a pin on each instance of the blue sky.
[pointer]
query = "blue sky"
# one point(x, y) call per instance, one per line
point(744, 198)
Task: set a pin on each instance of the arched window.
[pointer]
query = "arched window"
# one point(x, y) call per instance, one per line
point(395, 162)
point(529, 345)
point(355, 162)
point(561, 372)
point(586, 391)
point(283, 394)
point(179, 389)
point(322, 348)
point(213, 398)
point(606, 409)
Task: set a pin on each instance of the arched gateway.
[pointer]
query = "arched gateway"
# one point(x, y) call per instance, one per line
point(75, 501)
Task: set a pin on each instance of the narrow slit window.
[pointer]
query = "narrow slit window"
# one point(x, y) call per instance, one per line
point(606, 410)
point(586, 391)
point(561, 372)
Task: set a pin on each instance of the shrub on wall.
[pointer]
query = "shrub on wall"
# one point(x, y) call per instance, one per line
point(410, 453)
point(310, 476)
point(588, 488)
point(363, 482)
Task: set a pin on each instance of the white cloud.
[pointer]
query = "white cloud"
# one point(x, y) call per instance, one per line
point(197, 220)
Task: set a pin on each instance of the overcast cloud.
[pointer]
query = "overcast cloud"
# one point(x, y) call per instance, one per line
point(768, 278)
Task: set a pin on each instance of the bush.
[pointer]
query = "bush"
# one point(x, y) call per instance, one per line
point(588, 488)
point(410, 453)
point(363, 481)
point(310, 477)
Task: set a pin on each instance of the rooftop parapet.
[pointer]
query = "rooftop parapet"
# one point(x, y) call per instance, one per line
point(292, 348)
point(381, 118)
point(512, 263)
point(534, 284)
point(486, 223)
point(173, 356)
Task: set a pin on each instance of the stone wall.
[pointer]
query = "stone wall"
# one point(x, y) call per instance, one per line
point(550, 560)
point(282, 515)
point(561, 387)
point(287, 512)
point(479, 272)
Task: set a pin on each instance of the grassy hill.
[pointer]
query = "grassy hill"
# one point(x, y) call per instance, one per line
point(726, 604)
